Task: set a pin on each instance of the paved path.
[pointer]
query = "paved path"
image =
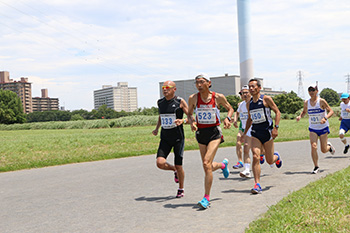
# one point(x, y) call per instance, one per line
point(132, 195)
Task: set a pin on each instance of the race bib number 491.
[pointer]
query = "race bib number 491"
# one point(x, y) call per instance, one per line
point(168, 121)
point(206, 115)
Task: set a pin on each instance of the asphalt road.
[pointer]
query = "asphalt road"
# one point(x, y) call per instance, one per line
point(132, 195)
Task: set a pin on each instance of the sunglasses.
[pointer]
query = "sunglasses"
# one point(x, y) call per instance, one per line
point(166, 87)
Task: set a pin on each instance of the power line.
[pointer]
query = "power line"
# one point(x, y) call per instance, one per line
point(348, 82)
point(300, 85)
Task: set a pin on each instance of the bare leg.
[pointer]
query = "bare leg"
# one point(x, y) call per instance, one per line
point(208, 154)
point(313, 142)
point(256, 149)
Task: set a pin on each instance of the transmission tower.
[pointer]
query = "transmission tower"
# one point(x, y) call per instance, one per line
point(300, 84)
point(348, 82)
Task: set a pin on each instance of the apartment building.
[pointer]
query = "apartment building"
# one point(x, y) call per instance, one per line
point(45, 103)
point(120, 97)
point(22, 88)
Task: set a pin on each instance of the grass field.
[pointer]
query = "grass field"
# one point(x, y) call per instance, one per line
point(23, 149)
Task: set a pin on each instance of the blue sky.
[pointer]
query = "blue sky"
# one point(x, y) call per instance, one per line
point(74, 47)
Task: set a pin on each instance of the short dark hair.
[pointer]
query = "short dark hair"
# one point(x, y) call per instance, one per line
point(257, 81)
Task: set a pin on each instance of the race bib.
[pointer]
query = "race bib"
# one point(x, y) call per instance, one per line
point(243, 116)
point(257, 115)
point(316, 119)
point(168, 121)
point(206, 115)
point(345, 114)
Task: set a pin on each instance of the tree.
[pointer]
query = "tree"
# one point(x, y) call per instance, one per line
point(11, 109)
point(233, 100)
point(288, 103)
point(331, 96)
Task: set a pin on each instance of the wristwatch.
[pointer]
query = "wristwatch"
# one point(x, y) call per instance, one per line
point(229, 118)
point(277, 126)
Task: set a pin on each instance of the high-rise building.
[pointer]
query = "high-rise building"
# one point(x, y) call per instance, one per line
point(45, 103)
point(22, 88)
point(119, 98)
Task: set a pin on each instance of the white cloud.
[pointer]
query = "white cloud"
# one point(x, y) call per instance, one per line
point(74, 47)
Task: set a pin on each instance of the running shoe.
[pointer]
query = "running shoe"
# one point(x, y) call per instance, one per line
point(279, 161)
point(346, 149)
point(315, 170)
point(238, 165)
point(225, 171)
point(180, 193)
point(245, 174)
point(204, 203)
point(332, 149)
point(262, 159)
point(176, 179)
point(257, 189)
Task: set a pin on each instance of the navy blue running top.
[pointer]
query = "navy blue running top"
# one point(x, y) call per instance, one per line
point(260, 115)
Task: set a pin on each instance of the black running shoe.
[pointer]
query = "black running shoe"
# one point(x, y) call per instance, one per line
point(315, 170)
point(346, 149)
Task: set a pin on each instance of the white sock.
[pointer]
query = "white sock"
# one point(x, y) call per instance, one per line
point(344, 141)
point(247, 166)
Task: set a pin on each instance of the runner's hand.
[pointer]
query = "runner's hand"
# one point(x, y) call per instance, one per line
point(274, 133)
point(155, 132)
point(242, 138)
point(235, 124)
point(227, 124)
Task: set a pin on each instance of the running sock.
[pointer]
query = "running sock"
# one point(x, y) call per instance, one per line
point(247, 166)
point(223, 166)
point(206, 197)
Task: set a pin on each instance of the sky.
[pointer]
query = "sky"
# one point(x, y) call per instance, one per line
point(74, 47)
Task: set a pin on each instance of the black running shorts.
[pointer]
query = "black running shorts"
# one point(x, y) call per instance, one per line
point(165, 147)
point(206, 135)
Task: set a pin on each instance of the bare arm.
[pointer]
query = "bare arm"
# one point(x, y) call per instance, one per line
point(184, 107)
point(155, 132)
point(235, 118)
point(303, 112)
point(271, 104)
point(221, 100)
point(324, 105)
point(192, 101)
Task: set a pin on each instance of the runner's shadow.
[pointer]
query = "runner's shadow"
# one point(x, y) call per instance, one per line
point(240, 178)
point(303, 172)
point(245, 190)
point(194, 206)
point(335, 157)
point(155, 199)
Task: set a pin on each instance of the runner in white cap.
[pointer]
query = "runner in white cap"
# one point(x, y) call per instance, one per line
point(317, 109)
point(345, 120)
point(242, 113)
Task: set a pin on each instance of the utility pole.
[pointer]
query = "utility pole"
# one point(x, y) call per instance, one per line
point(348, 82)
point(300, 85)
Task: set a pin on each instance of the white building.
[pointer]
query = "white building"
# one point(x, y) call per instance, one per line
point(119, 98)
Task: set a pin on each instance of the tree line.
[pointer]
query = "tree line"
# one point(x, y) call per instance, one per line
point(11, 110)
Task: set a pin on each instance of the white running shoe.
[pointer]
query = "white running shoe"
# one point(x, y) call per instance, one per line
point(245, 174)
point(332, 149)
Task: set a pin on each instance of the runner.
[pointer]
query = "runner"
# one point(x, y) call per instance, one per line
point(345, 120)
point(171, 109)
point(209, 136)
point(243, 115)
point(317, 109)
point(263, 132)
